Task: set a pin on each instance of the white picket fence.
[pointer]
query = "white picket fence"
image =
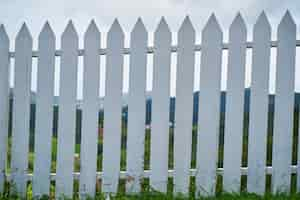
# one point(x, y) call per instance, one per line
point(206, 171)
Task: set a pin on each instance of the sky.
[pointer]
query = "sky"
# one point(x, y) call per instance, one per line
point(13, 13)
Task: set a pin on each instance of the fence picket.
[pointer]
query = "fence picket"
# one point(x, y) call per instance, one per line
point(258, 116)
point(184, 106)
point(284, 104)
point(234, 105)
point(113, 109)
point(21, 109)
point(4, 102)
point(209, 107)
point(136, 107)
point(44, 112)
point(89, 137)
point(160, 107)
point(67, 112)
point(208, 114)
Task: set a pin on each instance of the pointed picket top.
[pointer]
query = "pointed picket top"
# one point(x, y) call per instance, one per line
point(186, 27)
point(47, 32)
point(186, 23)
point(139, 28)
point(92, 30)
point(262, 24)
point(24, 33)
point(212, 28)
point(4, 39)
point(238, 27)
point(162, 27)
point(115, 29)
point(162, 32)
point(70, 31)
point(287, 24)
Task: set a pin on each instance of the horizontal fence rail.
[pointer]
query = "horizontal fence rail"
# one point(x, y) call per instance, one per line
point(150, 50)
point(204, 134)
point(147, 173)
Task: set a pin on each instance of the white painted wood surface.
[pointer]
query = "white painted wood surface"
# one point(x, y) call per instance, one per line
point(4, 102)
point(233, 135)
point(21, 109)
point(89, 133)
point(44, 112)
point(67, 112)
point(209, 107)
point(284, 105)
point(160, 107)
point(184, 106)
point(113, 109)
point(258, 116)
point(136, 107)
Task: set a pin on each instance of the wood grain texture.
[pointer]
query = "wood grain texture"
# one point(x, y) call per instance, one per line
point(21, 110)
point(44, 112)
point(136, 107)
point(67, 113)
point(284, 105)
point(113, 109)
point(89, 136)
point(4, 102)
point(234, 116)
point(258, 116)
point(184, 107)
point(160, 107)
point(209, 107)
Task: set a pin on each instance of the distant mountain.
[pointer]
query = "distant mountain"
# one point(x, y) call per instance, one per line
point(196, 106)
point(148, 104)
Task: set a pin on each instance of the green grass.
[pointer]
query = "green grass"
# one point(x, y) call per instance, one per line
point(147, 192)
point(159, 196)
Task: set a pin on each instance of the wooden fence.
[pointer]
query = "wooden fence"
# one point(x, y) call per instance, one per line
point(206, 170)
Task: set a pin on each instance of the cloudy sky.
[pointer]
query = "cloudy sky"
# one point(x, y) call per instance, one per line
point(14, 12)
